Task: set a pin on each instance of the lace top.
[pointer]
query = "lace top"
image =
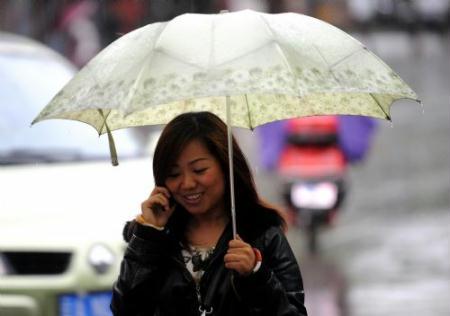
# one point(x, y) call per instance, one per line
point(196, 260)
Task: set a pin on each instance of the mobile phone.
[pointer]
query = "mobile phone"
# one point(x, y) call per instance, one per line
point(171, 201)
point(160, 208)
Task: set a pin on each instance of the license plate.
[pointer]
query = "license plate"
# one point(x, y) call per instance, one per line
point(91, 304)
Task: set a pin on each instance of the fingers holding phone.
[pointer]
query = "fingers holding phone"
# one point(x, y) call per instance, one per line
point(157, 209)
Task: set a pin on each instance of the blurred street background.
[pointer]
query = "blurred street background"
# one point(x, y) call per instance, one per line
point(388, 251)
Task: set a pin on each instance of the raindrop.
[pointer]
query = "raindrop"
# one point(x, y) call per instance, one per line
point(423, 108)
point(392, 124)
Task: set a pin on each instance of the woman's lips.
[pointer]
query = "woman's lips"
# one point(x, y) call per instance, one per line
point(193, 198)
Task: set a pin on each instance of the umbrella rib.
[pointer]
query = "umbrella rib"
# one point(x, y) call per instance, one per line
point(133, 88)
point(130, 95)
point(170, 55)
point(135, 81)
point(346, 57)
point(338, 81)
point(328, 65)
point(240, 56)
point(182, 61)
point(250, 123)
point(162, 28)
point(278, 45)
point(212, 52)
point(388, 117)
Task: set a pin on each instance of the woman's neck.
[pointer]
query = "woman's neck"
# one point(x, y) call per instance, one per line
point(205, 231)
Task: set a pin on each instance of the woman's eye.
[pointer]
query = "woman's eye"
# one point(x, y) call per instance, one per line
point(200, 170)
point(173, 175)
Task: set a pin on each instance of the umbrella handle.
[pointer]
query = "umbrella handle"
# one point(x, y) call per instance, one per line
point(231, 166)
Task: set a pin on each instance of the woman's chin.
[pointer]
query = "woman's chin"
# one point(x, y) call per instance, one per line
point(195, 209)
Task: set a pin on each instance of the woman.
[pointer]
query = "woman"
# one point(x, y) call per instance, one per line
point(181, 258)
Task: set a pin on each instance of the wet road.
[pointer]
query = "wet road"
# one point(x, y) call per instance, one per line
point(388, 254)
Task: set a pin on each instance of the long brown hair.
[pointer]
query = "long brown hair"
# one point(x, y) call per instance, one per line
point(253, 215)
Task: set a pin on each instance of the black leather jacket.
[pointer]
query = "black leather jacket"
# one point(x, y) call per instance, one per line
point(154, 280)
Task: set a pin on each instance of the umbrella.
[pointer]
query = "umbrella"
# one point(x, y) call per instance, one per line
point(248, 67)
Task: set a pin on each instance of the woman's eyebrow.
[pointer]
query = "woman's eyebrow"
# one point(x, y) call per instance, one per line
point(197, 160)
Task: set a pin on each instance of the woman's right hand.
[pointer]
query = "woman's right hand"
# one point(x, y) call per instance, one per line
point(156, 209)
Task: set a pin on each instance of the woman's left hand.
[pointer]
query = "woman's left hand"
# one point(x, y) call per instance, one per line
point(240, 257)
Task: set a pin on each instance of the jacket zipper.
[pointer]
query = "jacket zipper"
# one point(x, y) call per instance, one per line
point(190, 279)
point(197, 286)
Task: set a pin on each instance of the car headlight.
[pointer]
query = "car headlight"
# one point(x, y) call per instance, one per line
point(101, 258)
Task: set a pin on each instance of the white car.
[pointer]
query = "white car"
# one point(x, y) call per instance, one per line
point(62, 204)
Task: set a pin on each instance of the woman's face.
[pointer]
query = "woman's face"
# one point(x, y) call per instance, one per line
point(196, 181)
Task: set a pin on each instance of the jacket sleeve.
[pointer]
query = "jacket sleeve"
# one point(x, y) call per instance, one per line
point(277, 287)
point(141, 271)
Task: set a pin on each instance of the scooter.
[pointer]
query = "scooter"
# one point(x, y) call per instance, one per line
point(313, 169)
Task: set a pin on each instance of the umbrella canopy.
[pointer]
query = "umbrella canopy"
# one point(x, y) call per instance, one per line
point(249, 68)
point(273, 67)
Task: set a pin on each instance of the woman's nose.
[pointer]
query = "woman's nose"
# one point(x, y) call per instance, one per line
point(188, 182)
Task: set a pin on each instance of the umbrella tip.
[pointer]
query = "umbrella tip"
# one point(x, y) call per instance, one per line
point(33, 121)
